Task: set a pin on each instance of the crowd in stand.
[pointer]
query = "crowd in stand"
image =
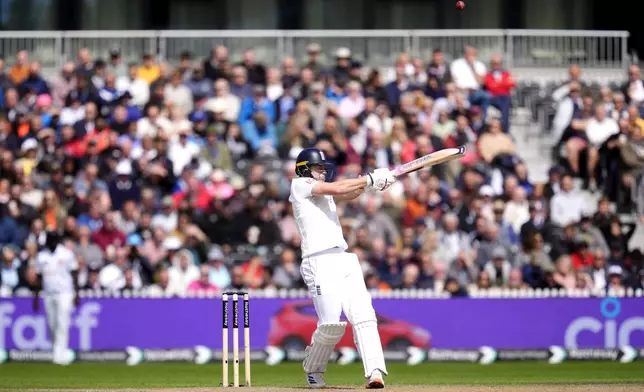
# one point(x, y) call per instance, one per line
point(156, 175)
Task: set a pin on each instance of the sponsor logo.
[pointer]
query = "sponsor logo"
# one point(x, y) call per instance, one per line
point(615, 334)
point(28, 332)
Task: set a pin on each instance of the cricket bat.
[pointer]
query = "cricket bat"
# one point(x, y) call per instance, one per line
point(435, 158)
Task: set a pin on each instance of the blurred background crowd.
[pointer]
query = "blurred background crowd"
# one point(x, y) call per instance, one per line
point(175, 180)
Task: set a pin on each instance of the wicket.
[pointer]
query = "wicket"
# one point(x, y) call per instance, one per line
point(224, 357)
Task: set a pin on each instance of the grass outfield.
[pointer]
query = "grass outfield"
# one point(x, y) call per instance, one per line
point(14, 376)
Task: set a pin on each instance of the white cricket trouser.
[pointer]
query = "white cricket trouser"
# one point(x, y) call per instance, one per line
point(336, 283)
point(59, 311)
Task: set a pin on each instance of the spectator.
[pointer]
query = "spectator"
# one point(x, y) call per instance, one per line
point(116, 65)
point(398, 86)
point(451, 239)
point(219, 275)
point(256, 71)
point(162, 287)
point(199, 85)
point(229, 103)
point(515, 282)
point(290, 75)
point(215, 152)
point(112, 276)
point(500, 83)
point(566, 206)
point(176, 93)
point(574, 82)
point(239, 85)
point(260, 133)
point(353, 104)
point(202, 285)
point(9, 276)
point(564, 275)
point(287, 274)
point(20, 70)
point(438, 69)
point(108, 234)
point(34, 82)
point(495, 144)
point(598, 271)
point(149, 71)
point(274, 86)
point(257, 103)
point(215, 65)
point(86, 250)
point(135, 86)
point(463, 270)
point(498, 267)
point(615, 281)
point(633, 90)
point(159, 181)
point(182, 272)
point(468, 74)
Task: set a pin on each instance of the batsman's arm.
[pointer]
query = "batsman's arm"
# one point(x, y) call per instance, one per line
point(348, 196)
point(342, 187)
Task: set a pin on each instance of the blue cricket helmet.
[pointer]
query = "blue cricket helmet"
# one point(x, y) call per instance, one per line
point(310, 157)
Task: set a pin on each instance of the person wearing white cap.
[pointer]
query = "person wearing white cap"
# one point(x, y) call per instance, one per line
point(615, 273)
point(342, 68)
point(122, 188)
point(313, 50)
point(29, 149)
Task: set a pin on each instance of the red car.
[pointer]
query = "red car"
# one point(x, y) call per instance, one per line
point(293, 325)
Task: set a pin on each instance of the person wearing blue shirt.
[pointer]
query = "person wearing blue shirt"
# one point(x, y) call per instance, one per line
point(335, 93)
point(34, 82)
point(285, 104)
point(258, 102)
point(109, 94)
point(259, 132)
point(398, 87)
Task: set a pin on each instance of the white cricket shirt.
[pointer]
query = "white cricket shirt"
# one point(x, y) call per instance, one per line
point(316, 218)
point(55, 268)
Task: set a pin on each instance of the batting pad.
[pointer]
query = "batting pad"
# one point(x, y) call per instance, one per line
point(368, 341)
point(325, 337)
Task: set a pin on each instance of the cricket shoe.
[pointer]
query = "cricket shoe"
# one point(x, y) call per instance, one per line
point(376, 381)
point(315, 380)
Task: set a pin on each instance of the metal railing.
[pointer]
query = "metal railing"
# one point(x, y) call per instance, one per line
point(521, 48)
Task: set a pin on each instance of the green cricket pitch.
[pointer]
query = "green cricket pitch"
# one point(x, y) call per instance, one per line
point(433, 377)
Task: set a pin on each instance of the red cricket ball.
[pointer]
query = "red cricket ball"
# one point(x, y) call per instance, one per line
point(460, 5)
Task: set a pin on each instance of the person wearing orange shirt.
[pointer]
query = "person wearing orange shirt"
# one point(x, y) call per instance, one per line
point(253, 271)
point(100, 135)
point(20, 70)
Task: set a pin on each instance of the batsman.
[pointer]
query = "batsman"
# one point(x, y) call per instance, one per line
point(333, 276)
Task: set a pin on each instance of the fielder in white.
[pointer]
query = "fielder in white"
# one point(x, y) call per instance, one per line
point(57, 279)
point(333, 276)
